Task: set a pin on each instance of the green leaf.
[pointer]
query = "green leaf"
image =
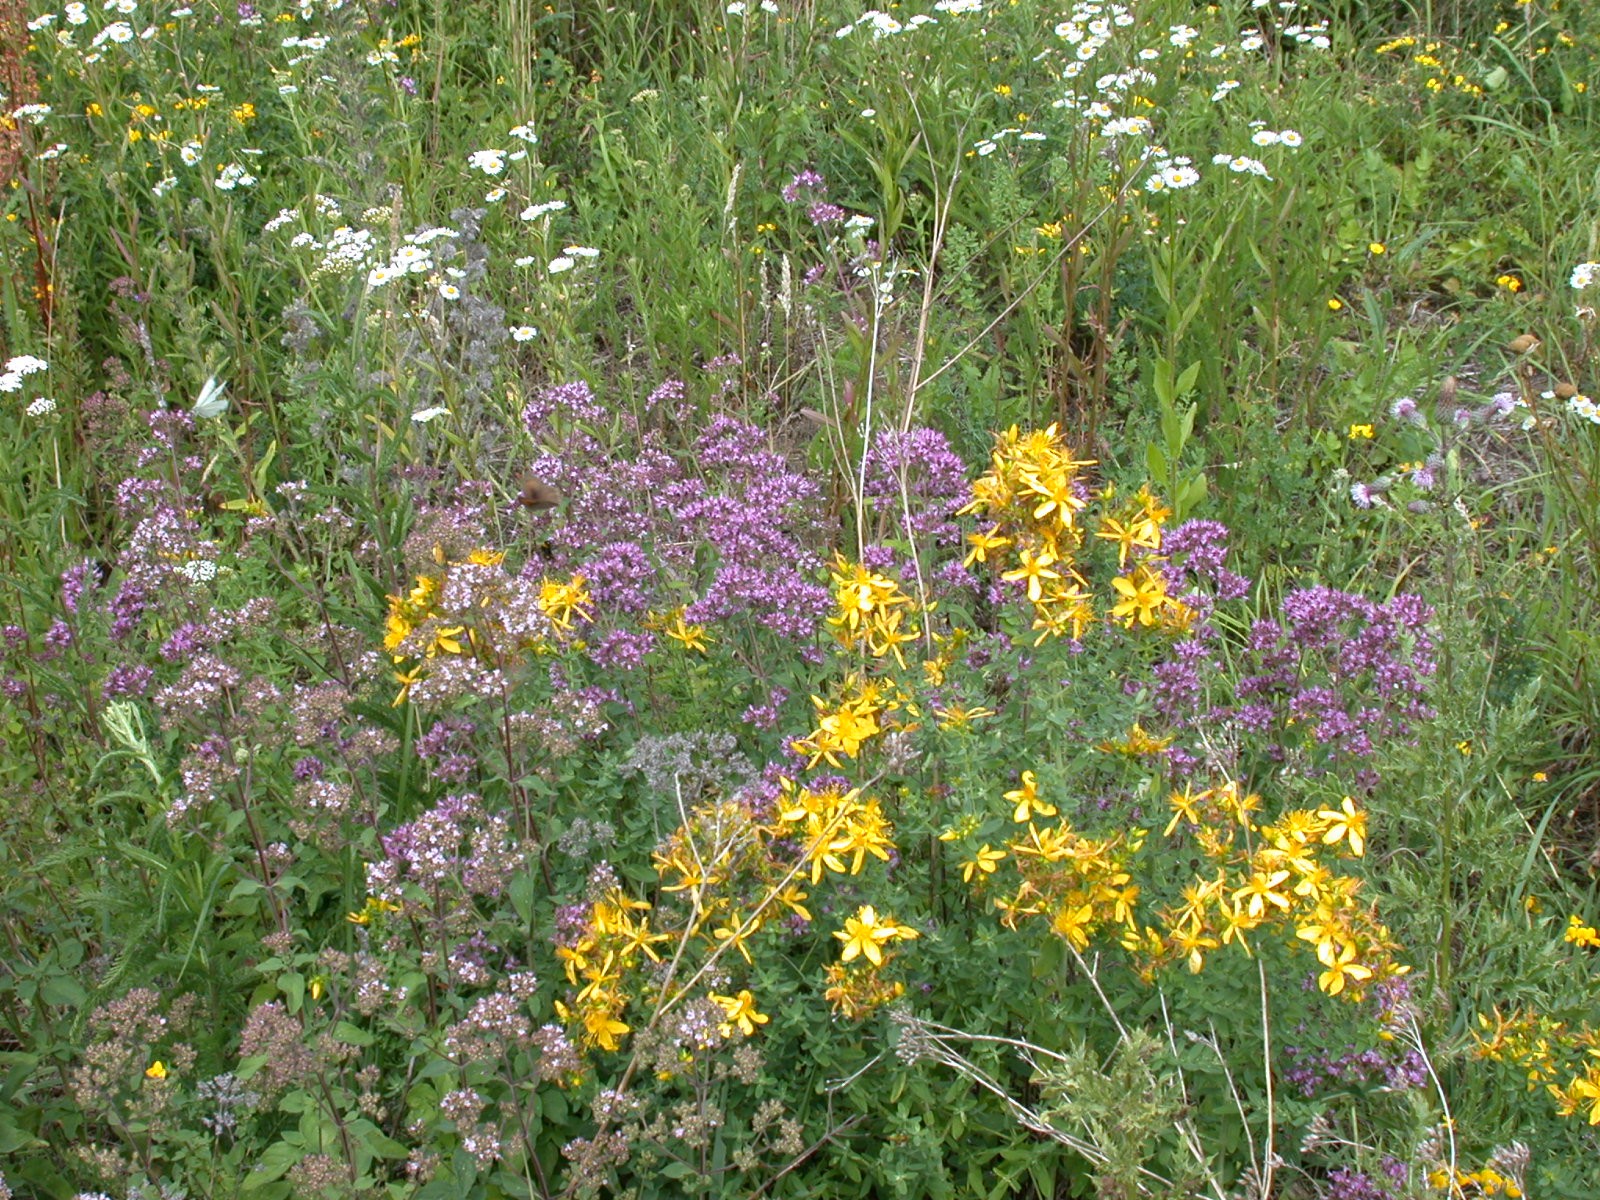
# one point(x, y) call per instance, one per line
point(352, 1035)
point(272, 1165)
point(62, 991)
point(293, 985)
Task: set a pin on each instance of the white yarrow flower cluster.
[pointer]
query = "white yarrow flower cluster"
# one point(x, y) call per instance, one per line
point(42, 406)
point(18, 369)
point(199, 570)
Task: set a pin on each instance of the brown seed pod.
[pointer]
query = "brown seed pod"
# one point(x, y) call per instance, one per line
point(1522, 344)
point(537, 494)
point(1565, 391)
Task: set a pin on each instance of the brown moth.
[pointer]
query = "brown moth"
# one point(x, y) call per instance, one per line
point(536, 494)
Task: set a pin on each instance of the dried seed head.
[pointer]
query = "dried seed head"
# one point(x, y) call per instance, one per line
point(1522, 344)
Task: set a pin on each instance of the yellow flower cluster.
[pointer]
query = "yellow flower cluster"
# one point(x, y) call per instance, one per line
point(1485, 1182)
point(1545, 1049)
point(612, 941)
point(1035, 494)
point(852, 719)
point(1274, 874)
point(855, 984)
point(870, 611)
point(417, 628)
point(732, 873)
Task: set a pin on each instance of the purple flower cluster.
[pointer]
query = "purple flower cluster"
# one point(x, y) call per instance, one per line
point(455, 846)
point(1336, 672)
point(729, 527)
point(918, 478)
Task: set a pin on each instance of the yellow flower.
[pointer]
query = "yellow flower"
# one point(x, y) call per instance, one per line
point(1347, 825)
point(693, 637)
point(1143, 593)
point(1026, 799)
point(1579, 934)
point(1361, 431)
point(981, 863)
point(1335, 304)
point(1376, 248)
point(156, 1070)
point(982, 543)
point(863, 935)
point(1035, 569)
point(741, 1013)
point(1343, 966)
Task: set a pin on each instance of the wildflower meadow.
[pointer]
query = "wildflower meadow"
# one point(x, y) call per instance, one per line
point(977, 599)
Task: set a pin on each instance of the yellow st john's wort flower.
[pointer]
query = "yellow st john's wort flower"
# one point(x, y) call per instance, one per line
point(741, 1013)
point(1026, 799)
point(156, 1070)
point(1347, 825)
point(864, 935)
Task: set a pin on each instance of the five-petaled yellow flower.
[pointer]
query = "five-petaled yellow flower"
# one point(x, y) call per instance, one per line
point(741, 1013)
point(982, 862)
point(1026, 799)
point(1347, 825)
point(863, 935)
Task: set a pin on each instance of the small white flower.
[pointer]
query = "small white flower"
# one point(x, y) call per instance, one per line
point(211, 402)
point(423, 416)
point(1584, 274)
point(164, 186)
point(526, 260)
point(490, 162)
point(559, 264)
point(42, 406)
point(232, 176)
point(1254, 42)
point(199, 570)
point(379, 276)
point(33, 114)
point(77, 13)
point(534, 211)
point(523, 333)
point(43, 22)
point(26, 364)
point(190, 152)
point(10, 381)
point(767, 6)
point(869, 113)
point(494, 195)
point(524, 133)
point(736, 9)
point(449, 291)
point(287, 89)
point(1290, 138)
point(1264, 137)
point(581, 251)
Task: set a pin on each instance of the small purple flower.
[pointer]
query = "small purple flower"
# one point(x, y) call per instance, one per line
point(1406, 409)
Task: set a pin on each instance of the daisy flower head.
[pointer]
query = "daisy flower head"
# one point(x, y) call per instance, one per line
point(490, 162)
point(523, 333)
